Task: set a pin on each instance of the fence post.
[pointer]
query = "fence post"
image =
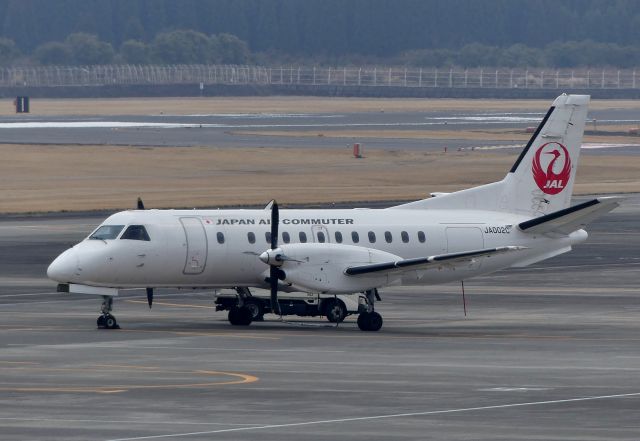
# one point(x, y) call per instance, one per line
point(526, 79)
point(435, 78)
point(511, 79)
point(344, 77)
point(359, 76)
point(389, 79)
point(329, 77)
point(314, 75)
point(602, 83)
point(405, 77)
point(451, 77)
point(618, 79)
point(375, 76)
point(558, 79)
point(542, 79)
point(466, 77)
point(496, 79)
point(420, 78)
point(481, 79)
point(633, 78)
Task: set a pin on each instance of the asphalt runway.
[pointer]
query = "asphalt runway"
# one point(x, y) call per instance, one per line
point(229, 131)
point(549, 352)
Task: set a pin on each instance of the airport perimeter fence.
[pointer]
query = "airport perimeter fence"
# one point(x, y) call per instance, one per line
point(489, 78)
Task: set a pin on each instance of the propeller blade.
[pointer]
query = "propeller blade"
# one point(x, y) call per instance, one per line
point(140, 205)
point(274, 270)
point(275, 220)
point(150, 297)
point(273, 281)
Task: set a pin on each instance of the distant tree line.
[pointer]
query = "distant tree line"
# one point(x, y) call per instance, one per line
point(175, 47)
point(192, 47)
point(555, 55)
point(469, 33)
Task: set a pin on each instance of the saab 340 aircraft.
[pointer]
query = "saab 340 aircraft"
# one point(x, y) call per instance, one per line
point(520, 220)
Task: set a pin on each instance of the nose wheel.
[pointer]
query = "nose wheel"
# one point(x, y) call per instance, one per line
point(106, 320)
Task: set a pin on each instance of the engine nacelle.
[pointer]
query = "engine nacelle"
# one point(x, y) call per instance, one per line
point(319, 267)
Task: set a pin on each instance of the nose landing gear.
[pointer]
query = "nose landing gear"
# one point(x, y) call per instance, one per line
point(106, 320)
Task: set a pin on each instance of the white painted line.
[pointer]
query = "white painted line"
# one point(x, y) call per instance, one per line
point(2, 296)
point(607, 146)
point(141, 124)
point(313, 351)
point(380, 417)
point(514, 389)
point(179, 423)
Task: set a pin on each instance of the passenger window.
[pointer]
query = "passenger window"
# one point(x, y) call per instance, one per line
point(135, 232)
point(285, 237)
point(338, 237)
point(388, 237)
point(107, 232)
point(354, 237)
point(372, 237)
point(267, 236)
point(220, 237)
point(421, 236)
point(303, 237)
point(321, 237)
point(405, 236)
point(251, 237)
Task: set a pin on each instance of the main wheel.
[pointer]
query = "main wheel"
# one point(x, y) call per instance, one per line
point(375, 321)
point(110, 322)
point(101, 322)
point(369, 321)
point(335, 311)
point(240, 316)
point(256, 309)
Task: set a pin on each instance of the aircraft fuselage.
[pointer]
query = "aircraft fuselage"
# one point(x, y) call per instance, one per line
point(220, 248)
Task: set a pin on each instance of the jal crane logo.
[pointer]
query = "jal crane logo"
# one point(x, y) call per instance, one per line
point(558, 168)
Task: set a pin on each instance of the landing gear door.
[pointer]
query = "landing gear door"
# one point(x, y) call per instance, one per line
point(196, 244)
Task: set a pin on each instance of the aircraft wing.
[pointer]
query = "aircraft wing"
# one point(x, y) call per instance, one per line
point(571, 219)
point(423, 263)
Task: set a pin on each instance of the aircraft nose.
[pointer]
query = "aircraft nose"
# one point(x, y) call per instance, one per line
point(63, 267)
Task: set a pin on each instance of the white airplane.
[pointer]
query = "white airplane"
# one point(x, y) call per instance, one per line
point(520, 220)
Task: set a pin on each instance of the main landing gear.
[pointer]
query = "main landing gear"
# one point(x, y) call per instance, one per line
point(106, 320)
point(246, 310)
point(370, 320)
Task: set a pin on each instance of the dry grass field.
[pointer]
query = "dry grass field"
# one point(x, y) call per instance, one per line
point(226, 105)
point(54, 178)
point(39, 178)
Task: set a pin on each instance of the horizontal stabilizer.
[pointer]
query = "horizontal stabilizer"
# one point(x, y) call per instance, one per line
point(427, 262)
point(570, 219)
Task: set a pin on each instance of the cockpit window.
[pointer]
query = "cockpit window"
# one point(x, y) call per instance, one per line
point(107, 232)
point(136, 232)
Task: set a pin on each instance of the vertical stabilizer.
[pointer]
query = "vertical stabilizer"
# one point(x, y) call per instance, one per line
point(541, 180)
